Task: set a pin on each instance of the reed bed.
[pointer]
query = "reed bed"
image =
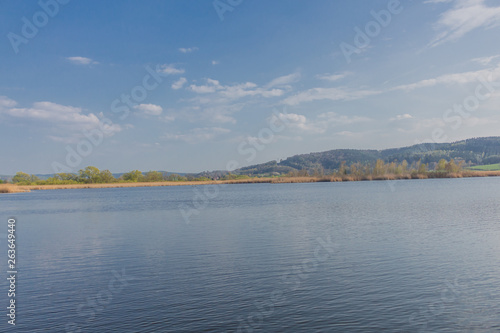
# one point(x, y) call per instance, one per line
point(12, 188)
point(470, 173)
point(144, 184)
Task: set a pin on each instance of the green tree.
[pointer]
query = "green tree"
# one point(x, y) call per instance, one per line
point(342, 168)
point(66, 176)
point(106, 177)
point(353, 170)
point(379, 168)
point(133, 176)
point(451, 166)
point(441, 165)
point(404, 166)
point(422, 168)
point(21, 177)
point(89, 175)
point(176, 178)
point(34, 179)
point(229, 176)
point(392, 168)
point(154, 176)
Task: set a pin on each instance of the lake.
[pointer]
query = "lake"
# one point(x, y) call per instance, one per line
point(381, 256)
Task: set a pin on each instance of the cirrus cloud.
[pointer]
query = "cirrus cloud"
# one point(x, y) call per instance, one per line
point(464, 17)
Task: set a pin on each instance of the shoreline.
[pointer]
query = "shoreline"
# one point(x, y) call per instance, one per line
point(13, 188)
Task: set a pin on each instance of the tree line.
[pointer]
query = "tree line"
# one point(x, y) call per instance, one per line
point(92, 175)
point(381, 168)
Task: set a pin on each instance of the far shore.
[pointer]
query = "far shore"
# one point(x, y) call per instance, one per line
point(13, 188)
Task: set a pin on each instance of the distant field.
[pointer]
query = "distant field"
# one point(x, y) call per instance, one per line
point(487, 167)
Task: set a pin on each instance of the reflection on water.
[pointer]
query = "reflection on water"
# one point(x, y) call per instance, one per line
point(416, 255)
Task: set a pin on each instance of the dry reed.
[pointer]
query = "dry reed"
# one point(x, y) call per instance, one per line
point(10, 188)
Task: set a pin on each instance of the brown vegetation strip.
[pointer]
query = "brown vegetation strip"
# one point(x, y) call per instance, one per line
point(11, 188)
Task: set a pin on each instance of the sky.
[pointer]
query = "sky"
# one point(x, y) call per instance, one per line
point(189, 86)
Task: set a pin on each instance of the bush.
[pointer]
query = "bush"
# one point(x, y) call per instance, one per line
point(201, 179)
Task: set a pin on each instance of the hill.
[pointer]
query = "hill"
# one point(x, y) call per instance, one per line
point(475, 151)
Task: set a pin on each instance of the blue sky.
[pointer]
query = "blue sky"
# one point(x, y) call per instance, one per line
point(196, 85)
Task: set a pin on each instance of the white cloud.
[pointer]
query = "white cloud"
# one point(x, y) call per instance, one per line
point(283, 80)
point(319, 125)
point(149, 109)
point(170, 69)
point(402, 117)
point(197, 135)
point(236, 91)
point(81, 61)
point(211, 87)
point(179, 83)
point(53, 112)
point(65, 123)
point(464, 17)
point(492, 74)
point(333, 94)
point(188, 49)
point(215, 62)
point(220, 113)
point(248, 89)
point(345, 133)
point(485, 61)
point(6, 102)
point(332, 77)
point(336, 119)
point(216, 102)
point(167, 118)
point(300, 123)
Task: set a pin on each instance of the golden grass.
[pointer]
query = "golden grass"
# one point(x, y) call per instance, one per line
point(280, 180)
point(12, 188)
point(145, 184)
point(471, 173)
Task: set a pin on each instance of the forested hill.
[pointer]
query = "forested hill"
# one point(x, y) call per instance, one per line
point(475, 151)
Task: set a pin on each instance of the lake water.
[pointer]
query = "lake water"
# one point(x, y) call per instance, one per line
point(399, 256)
